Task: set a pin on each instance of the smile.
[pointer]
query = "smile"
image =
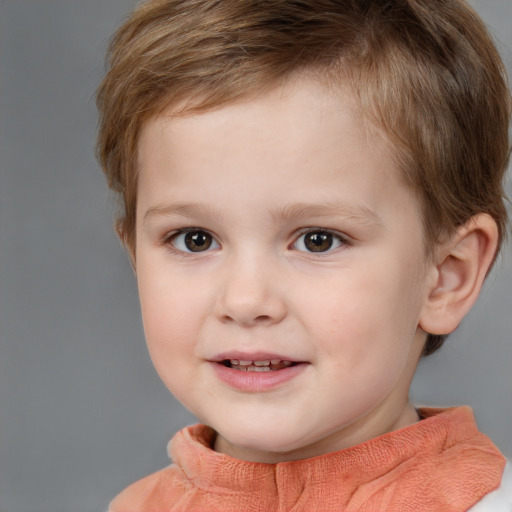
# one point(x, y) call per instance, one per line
point(257, 372)
point(267, 365)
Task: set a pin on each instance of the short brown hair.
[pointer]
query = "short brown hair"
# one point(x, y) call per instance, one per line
point(425, 71)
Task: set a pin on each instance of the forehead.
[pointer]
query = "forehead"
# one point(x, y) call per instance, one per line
point(301, 136)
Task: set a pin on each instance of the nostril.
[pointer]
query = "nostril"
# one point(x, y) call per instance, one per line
point(262, 318)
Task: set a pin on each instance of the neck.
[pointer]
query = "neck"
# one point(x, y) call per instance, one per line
point(373, 425)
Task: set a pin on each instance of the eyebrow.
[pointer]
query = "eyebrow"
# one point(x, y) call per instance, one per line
point(181, 209)
point(295, 211)
point(357, 213)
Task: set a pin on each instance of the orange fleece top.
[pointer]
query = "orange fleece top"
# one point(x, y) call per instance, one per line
point(440, 464)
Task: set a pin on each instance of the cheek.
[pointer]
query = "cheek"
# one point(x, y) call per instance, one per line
point(169, 339)
point(366, 315)
point(169, 315)
point(167, 300)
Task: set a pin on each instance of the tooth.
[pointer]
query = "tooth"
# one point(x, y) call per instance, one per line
point(234, 362)
point(262, 363)
point(261, 368)
point(275, 361)
point(244, 363)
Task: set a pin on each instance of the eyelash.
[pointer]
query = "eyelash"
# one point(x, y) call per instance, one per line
point(342, 240)
point(337, 240)
point(170, 239)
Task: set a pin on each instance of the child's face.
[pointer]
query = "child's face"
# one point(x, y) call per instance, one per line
point(278, 230)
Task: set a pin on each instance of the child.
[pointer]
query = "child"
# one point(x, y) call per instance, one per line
point(312, 198)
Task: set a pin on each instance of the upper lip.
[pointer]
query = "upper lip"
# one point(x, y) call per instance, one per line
point(252, 356)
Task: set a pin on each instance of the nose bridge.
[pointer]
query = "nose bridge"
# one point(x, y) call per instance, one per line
point(249, 292)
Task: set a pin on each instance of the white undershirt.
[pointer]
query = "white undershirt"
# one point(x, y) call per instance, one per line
point(499, 500)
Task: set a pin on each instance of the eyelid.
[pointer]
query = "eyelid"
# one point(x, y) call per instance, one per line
point(168, 239)
point(344, 240)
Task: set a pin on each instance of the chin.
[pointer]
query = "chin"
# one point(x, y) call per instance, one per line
point(261, 444)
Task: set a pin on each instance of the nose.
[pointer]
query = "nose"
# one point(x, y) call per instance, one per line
point(250, 295)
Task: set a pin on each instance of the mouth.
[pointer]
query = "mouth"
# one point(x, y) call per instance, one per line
point(265, 365)
point(257, 372)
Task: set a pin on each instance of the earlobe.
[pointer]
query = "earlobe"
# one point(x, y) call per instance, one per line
point(460, 270)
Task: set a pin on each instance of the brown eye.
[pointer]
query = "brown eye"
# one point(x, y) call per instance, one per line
point(318, 241)
point(198, 241)
point(194, 241)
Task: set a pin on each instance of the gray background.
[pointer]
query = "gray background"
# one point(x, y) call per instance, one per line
point(82, 412)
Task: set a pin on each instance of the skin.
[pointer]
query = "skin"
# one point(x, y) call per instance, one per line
point(257, 176)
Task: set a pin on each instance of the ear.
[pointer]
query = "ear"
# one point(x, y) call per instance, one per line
point(459, 271)
point(127, 243)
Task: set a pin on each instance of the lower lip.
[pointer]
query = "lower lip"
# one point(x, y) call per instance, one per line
point(254, 382)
